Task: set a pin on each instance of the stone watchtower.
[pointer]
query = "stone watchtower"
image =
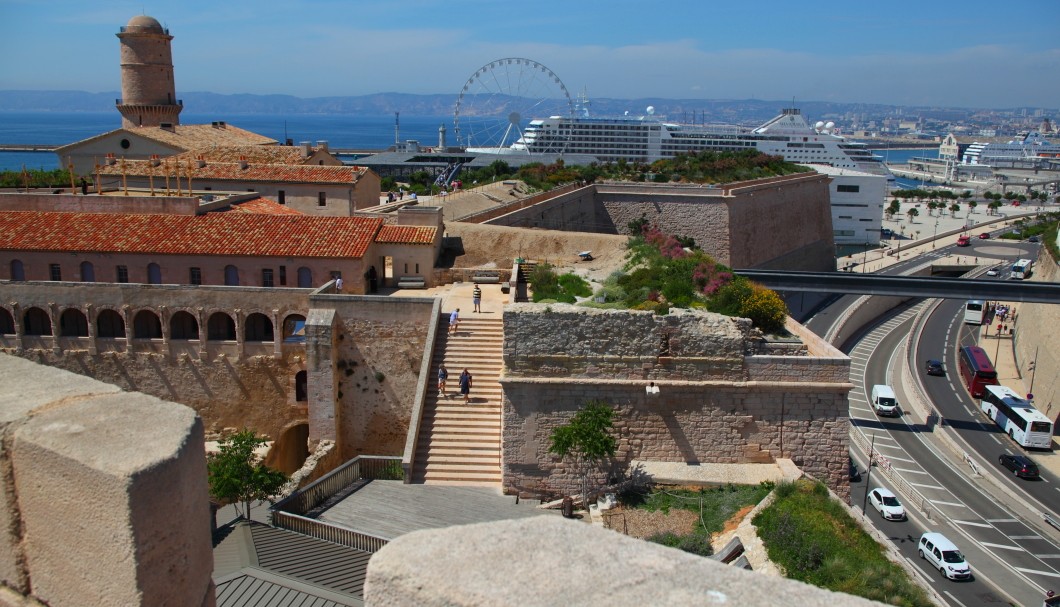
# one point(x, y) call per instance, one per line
point(147, 89)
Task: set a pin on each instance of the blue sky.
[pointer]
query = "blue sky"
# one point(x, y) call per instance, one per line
point(970, 54)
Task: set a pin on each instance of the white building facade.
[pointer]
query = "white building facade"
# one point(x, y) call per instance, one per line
point(857, 201)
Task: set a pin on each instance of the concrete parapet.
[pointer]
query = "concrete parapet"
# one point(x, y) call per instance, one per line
point(552, 561)
point(105, 493)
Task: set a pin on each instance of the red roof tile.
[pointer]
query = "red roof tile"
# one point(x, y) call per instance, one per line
point(395, 234)
point(264, 206)
point(210, 234)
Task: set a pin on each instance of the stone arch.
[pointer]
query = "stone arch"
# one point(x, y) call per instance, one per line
point(154, 274)
point(147, 325)
point(258, 327)
point(36, 322)
point(220, 327)
point(7, 322)
point(73, 323)
point(231, 276)
point(18, 271)
point(305, 278)
point(294, 328)
point(88, 272)
point(182, 325)
point(301, 386)
point(291, 450)
point(110, 324)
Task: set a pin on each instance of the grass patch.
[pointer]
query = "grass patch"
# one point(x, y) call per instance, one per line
point(815, 541)
point(715, 506)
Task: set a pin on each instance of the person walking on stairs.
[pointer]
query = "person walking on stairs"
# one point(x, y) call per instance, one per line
point(443, 374)
point(454, 320)
point(465, 385)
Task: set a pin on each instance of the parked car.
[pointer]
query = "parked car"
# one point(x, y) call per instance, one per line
point(855, 474)
point(1020, 465)
point(984, 235)
point(1032, 239)
point(944, 556)
point(934, 367)
point(887, 504)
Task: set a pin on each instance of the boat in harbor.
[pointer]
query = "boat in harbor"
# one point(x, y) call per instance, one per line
point(648, 138)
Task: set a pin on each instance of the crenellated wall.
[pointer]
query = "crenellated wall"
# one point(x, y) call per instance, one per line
point(718, 402)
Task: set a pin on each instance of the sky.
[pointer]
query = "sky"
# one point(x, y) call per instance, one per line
point(967, 53)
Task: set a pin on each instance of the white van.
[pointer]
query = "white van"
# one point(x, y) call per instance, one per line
point(944, 556)
point(884, 401)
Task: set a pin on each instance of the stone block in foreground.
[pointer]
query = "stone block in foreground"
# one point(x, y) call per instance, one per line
point(551, 561)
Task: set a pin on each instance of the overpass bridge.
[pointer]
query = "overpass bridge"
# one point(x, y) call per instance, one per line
point(909, 286)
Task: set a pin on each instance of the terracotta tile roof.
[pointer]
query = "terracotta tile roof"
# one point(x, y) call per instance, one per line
point(187, 136)
point(210, 234)
point(255, 154)
point(263, 206)
point(394, 234)
point(233, 171)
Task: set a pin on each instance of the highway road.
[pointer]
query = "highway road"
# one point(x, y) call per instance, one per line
point(1002, 547)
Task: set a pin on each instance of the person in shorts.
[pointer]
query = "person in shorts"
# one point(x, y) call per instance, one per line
point(476, 298)
point(443, 374)
point(454, 321)
point(465, 385)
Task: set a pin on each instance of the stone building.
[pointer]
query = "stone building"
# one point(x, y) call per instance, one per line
point(148, 92)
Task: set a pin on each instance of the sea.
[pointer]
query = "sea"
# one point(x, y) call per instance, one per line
point(345, 131)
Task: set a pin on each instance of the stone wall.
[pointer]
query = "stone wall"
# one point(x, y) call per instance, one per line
point(716, 404)
point(782, 223)
point(1036, 335)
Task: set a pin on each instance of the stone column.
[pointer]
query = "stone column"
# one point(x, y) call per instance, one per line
point(277, 335)
point(240, 335)
point(53, 310)
point(90, 315)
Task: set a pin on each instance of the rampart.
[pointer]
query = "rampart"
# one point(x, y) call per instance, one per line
point(719, 401)
point(1035, 341)
point(781, 223)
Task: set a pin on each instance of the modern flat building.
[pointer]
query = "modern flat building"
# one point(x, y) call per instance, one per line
point(857, 201)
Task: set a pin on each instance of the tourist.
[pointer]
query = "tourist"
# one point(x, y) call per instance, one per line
point(476, 298)
point(465, 385)
point(373, 279)
point(338, 284)
point(443, 374)
point(454, 320)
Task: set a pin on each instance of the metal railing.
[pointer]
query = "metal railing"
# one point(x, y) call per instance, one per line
point(328, 532)
point(883, 466)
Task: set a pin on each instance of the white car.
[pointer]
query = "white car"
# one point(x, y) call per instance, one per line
point(992, 272)
point(887, 504)
point(944, 556)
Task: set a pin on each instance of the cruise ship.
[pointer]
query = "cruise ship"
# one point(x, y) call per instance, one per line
point(1029, 146)
point(647, 139)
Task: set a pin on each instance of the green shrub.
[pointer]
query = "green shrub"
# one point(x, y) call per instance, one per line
point(696, 543)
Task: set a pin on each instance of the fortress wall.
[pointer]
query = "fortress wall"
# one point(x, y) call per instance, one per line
point(783, 225)
point(248, 384)
point(1036, 335)
point(75, 203)
point(570, 211)
point(716, 404)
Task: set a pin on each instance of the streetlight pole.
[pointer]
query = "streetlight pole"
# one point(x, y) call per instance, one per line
point(865, 261)
point(935, 233)
point(997, 350)
point(1034, 367)
point(868, 472)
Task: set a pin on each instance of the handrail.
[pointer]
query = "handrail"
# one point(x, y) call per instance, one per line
point(328, 532)
point(911, 494)
point(317, 492)
point(408, 457)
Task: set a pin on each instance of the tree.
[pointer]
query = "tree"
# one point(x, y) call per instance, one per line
point(966, 194)
point(971, 206)
point(586, 441)
point(954, 209)
point(894, 207)
point(994, 206)
point(912, 213)
point(237, 475)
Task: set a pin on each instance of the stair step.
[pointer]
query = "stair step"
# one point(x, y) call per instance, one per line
point(462, 475)
point(459, 443)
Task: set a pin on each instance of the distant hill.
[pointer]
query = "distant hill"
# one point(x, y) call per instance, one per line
point(743, 111)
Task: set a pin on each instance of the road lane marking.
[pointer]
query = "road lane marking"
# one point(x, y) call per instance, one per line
point(953, 598)
point(900, 459)
point(1024, 537)
point(948, 503)
point(996, 439)
point(909, 471)
point(1001, 520)
point(973, 524)
point(928, 486)
point(1037, 572)
point(1048, 556)
point(1002, 546)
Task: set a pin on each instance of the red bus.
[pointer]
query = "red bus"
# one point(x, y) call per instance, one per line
point(976, 369)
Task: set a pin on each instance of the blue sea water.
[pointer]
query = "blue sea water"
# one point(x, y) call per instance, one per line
point(339, 130)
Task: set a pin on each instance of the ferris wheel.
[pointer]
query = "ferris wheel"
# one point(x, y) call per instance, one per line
point(499, 100)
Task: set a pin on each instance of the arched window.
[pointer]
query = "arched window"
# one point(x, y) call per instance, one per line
point(154, 274)
point(147, 325)
point(258, 328)
point(294, 329)
point(7, 322)
point(231, 276)
point(88, 272)
point(36, 322)
point(220, 327)
point(73, 323)
point(183, 325)
point(110, 324)
point(18, 272)
point(305, 278)
point(301, 387)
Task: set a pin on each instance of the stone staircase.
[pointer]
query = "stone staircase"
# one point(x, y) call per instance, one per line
point(460, 444)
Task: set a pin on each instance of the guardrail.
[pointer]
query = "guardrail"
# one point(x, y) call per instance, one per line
point(1049, 519)
point(883, 466)
point(328, 532)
